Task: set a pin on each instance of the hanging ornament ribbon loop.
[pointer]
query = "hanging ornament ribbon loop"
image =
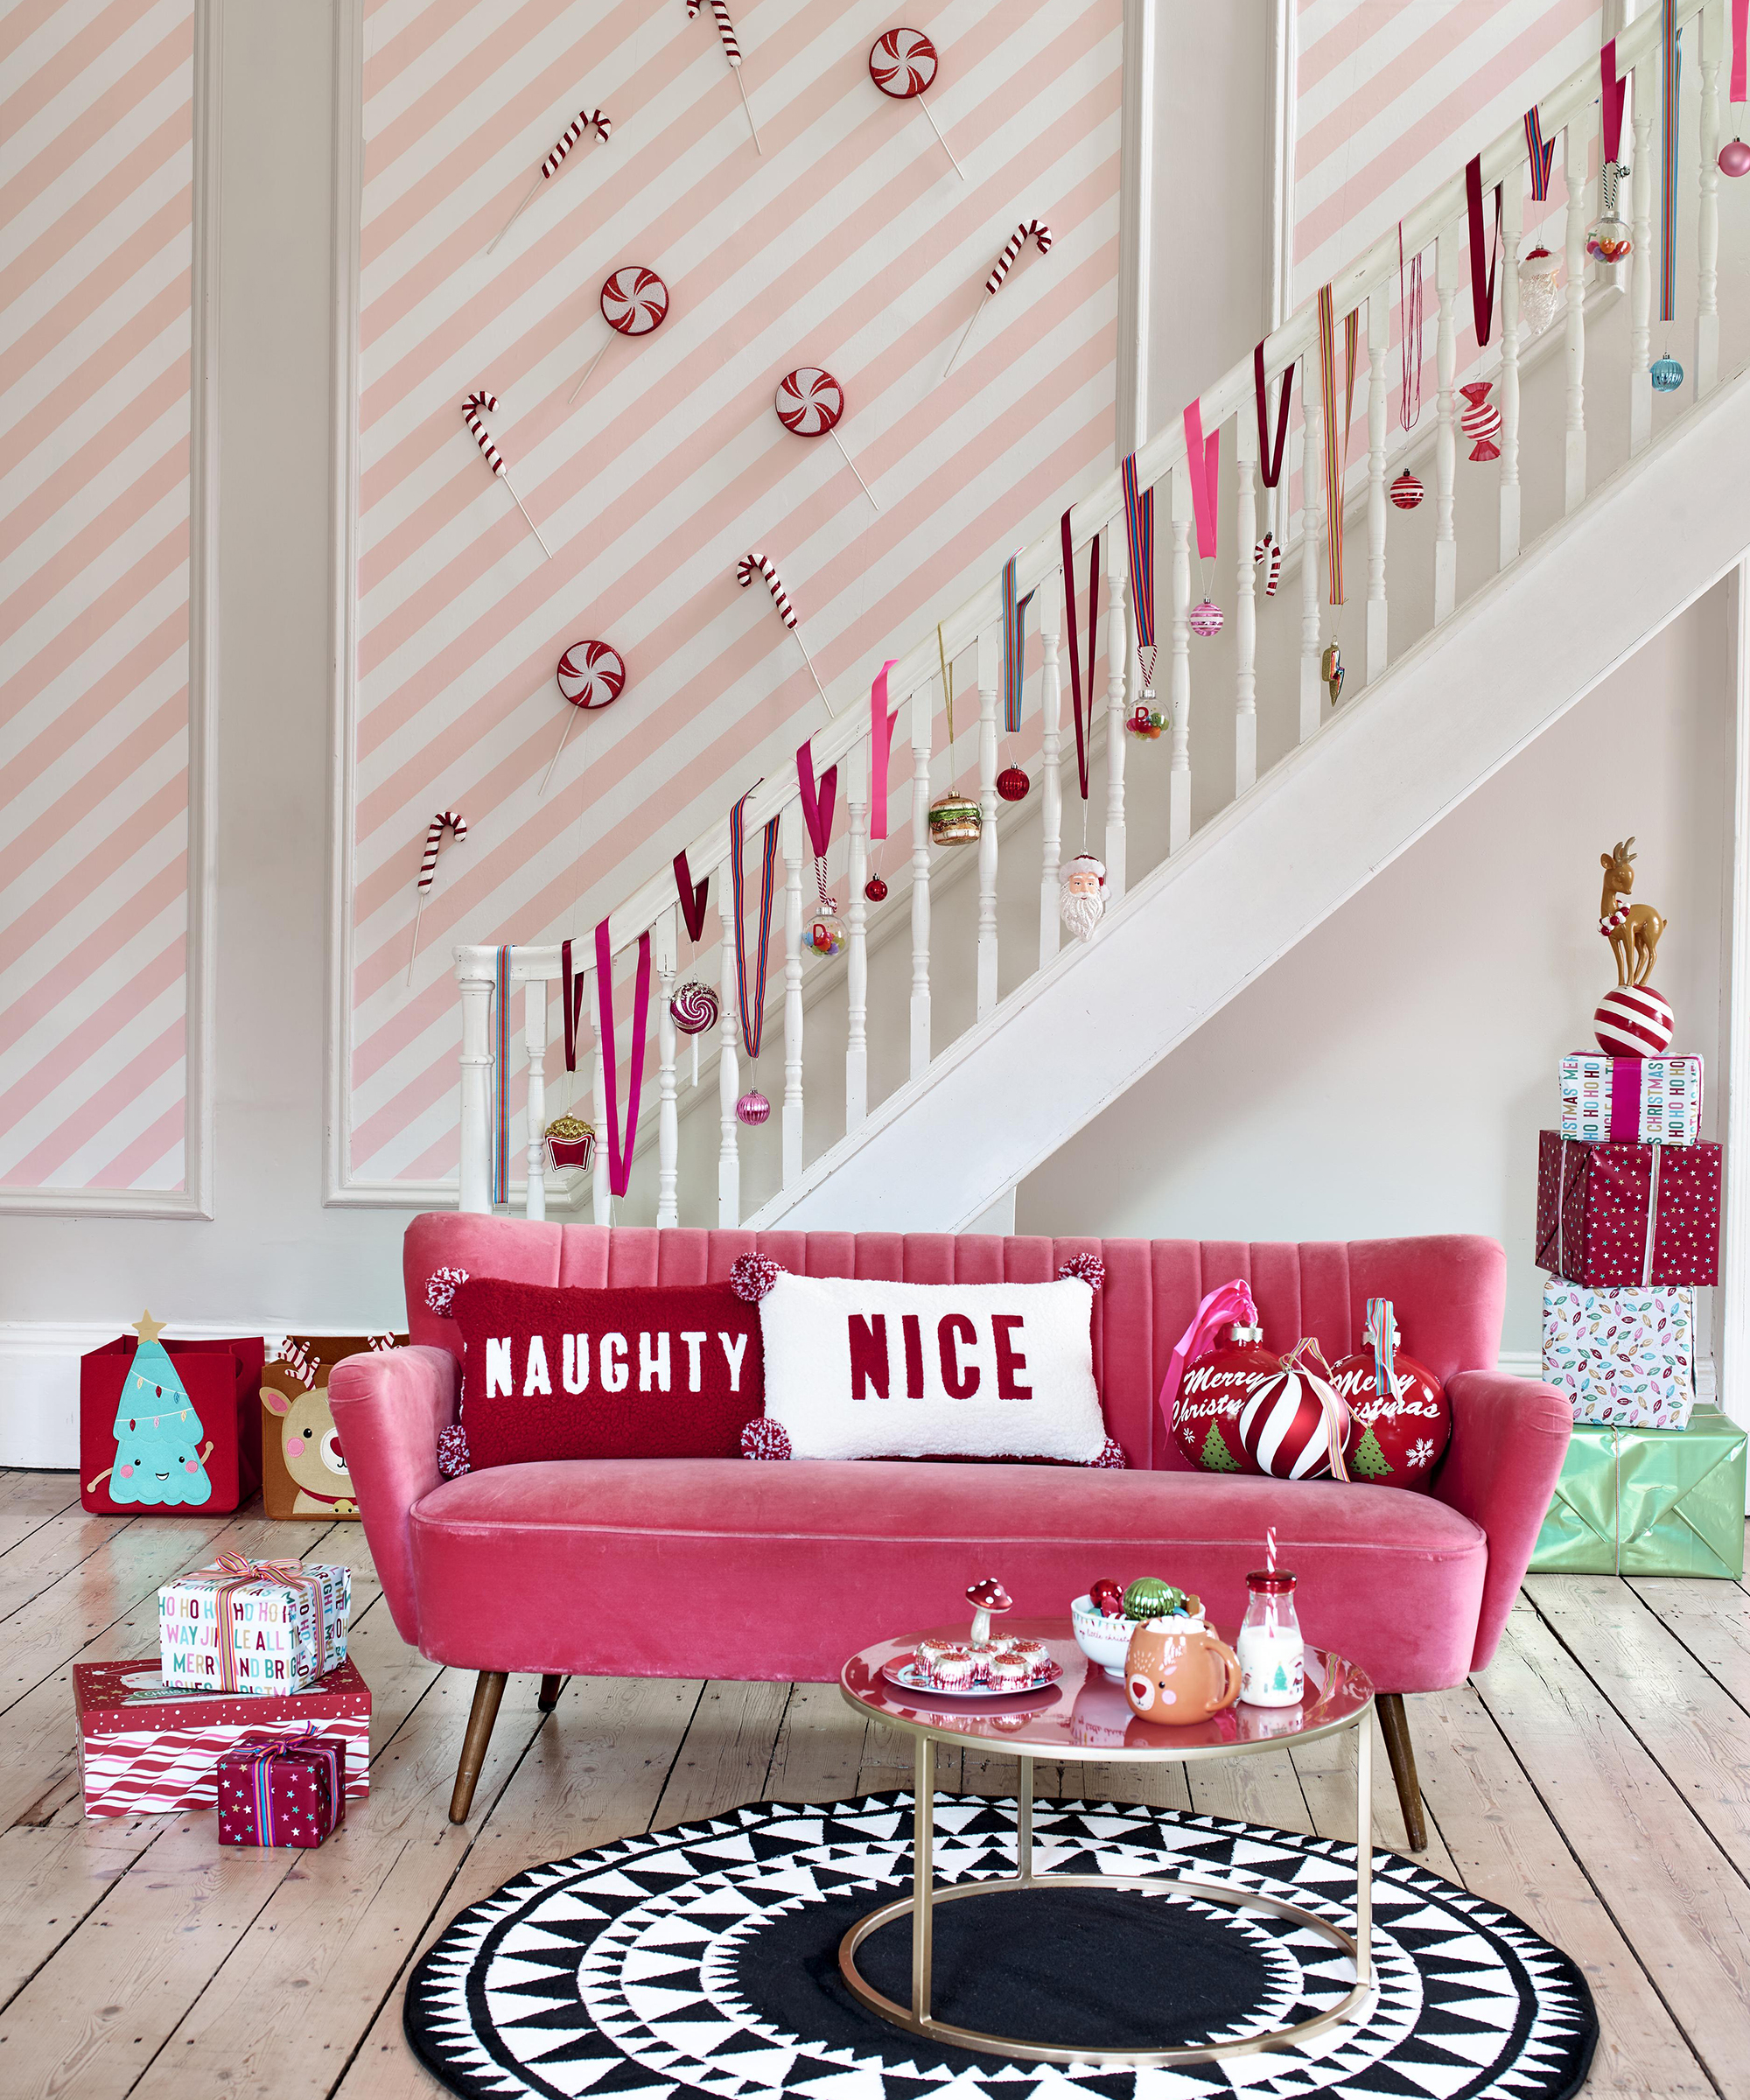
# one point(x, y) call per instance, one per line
point(1540, 152)
point(1014, 647)
point(1203, 459)
point(880, 749)
point(1270, 454)
point(1336, 452)
point(1741, 50)
point(1093, 630)
point(1611, 93)
point(1673, 71)
point(571, 998)
point(692, 895)
point(620, 1151)
point(817, 803)
point(1482, 288)
point(1140, 532)
point(750, 985)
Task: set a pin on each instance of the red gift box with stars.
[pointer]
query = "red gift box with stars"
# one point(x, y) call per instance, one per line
point(1615, 1217)
point(283, 1790)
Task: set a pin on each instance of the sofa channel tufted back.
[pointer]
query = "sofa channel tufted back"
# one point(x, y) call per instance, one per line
point(1448, 1289)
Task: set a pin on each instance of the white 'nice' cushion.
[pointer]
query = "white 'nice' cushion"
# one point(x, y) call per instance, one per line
point(874, 1370)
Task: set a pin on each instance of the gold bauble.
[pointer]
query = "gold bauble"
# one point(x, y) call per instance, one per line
point(955, 820)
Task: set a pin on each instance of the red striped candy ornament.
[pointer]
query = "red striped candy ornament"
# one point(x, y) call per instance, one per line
point(1634, 1020)
point(635, 301)
point(1268, 554)
point(1406, 491)
point(1293, 1424)
point(1481, 420)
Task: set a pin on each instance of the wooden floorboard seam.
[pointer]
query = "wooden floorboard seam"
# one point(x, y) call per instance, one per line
point(1699, 1659)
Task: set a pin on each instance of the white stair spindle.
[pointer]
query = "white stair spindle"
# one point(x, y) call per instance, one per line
point(1118, 648)
point(854, 772)
point(1576, 142)
point(990, 661)
point(922, 712)
point(728, 1068)
point(1446, 433)
point(1644, 90)
point(1379, 345)
point(1245, 602)
point(1512, 226)
point(1311, 543)
point(667, 943)
point(602, 1188)
point(1711, 24)
point(474, 1192)
point(1049, 600)
point(535, 1042)
point(1179, 779)
point(797, 908)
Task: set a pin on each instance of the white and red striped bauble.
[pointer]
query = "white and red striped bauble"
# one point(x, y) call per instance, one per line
point(1205, 618)
point(1406, 491)
point(1481, 420)
point(1634, 1020)
point(1291, 1423)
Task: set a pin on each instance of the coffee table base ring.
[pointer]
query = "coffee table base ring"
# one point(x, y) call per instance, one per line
point(1044, 2052)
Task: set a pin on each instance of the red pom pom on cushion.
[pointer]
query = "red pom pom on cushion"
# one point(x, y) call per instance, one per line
point(452, 1452)
point(751, 1276)
point(1112, 1458)
point(440, 1288)
point(1087, 1267)
point(764, 1439)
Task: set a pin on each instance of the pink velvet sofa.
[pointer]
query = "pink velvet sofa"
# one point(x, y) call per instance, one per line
point(719, 1567)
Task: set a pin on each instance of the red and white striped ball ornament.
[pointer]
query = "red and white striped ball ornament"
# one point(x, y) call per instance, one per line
point(1205, 618)
point(1406, 491)
point(591, 674)
point(1634, 1020)
point(1295, 1423)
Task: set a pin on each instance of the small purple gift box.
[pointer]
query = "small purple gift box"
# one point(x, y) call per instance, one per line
point(280, 1790)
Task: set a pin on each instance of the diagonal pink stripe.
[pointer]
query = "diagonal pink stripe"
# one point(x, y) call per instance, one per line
point(21, 20)
point(122, 1007)
point(97, 456)
point(62, 68)
point(130, 1167)
point(168, 806)
point(41, 342)
point(36, 840)
point(67, 400)
point(167, 475)
point(39, 1166)
point(107, 611)
point(85, 709)
point(93, 953)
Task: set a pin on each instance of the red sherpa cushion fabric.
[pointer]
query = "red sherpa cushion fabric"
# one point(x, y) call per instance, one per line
point(648, 1372)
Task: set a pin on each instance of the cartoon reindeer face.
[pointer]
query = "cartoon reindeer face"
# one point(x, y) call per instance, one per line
point(311, 1442)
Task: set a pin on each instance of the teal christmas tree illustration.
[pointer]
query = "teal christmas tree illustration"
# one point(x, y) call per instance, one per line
point(1214, 1456)
point(158, 1454)
point(1280, 1681)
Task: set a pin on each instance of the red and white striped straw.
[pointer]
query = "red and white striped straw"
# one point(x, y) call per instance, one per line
point(482, 404)
point(746, 569)
point(732, 51)
point(446, 819)
point(586, 120)
point(1035, 230)
point(1269, 1551)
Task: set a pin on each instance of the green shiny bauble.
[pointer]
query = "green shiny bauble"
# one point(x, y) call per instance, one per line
point(1148, 1597)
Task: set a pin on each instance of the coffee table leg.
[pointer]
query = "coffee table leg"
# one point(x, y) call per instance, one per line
point(923, 1873)
point(1364, 1848)
point(1023, 1823)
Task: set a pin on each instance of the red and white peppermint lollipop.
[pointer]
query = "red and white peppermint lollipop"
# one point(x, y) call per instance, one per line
point(810, 401)
point(902, 64)
point(591, 674)
point(635, 301)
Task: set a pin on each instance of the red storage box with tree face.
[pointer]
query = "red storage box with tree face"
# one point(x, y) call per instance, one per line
point(169, 1425)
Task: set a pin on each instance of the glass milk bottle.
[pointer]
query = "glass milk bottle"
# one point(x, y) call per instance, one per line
point(1272, 1664)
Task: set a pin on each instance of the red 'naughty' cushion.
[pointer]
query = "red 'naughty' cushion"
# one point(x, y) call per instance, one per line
point(655, 1373)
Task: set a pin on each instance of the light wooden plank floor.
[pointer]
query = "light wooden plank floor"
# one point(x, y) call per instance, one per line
point(1595, 1779)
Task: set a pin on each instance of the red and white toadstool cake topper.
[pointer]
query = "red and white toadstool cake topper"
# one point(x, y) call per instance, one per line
point(902, 64)
point(987, 1596)
point(635, 301)
point(591, 675)
point(810, 402)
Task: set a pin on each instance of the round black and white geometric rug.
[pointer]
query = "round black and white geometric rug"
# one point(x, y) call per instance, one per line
point(704, 1960)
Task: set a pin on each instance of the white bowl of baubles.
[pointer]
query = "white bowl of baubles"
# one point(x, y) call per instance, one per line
point(1106, 1639)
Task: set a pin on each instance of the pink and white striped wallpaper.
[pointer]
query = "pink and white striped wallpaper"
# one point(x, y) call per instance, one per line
point(96, 127)
point(849, 242)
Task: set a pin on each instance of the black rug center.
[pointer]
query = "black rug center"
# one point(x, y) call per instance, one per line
point(1088, 1967)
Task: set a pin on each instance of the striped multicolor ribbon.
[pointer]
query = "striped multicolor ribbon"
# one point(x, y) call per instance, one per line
point(1381, 1334)
point(1668, 217)
point(1093, 632)
point(618, 1154)
point(1540, 152)
point(260, 1753)
point(1336, 457)
point(1014, 647)
point(500, 1165)
point(752, 993)
point(1139, 531)
point(233, 1572)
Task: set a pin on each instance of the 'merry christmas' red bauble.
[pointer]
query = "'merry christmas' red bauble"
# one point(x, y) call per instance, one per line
point(1397, 1439)
point(1206, 1415)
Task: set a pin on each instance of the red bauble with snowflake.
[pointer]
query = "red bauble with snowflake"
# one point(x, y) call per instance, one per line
point(1394, 1440)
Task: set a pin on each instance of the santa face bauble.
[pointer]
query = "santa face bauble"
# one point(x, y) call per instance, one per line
point(1081, 894)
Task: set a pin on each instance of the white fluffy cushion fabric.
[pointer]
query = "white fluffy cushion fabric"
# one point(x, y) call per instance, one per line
point(871, 1370)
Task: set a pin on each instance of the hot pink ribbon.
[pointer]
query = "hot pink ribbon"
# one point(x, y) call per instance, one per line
point(880, 749)
point(1228, 1305)
point(1610, 94)
point(619, 1156)
point(1741, 22)
point(817, 802)
point(1204, 460)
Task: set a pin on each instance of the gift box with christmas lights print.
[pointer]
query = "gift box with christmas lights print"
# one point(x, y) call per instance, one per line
point(283, 1790)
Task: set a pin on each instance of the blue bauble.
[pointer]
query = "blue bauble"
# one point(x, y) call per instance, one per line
point(1667, 375)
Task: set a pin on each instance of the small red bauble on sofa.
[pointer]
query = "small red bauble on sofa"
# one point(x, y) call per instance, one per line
point(638, 1373)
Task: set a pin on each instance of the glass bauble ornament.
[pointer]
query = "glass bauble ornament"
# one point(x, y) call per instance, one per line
point(694, 1008)
point(824, 935)
point(1013, 784)
point(875, 890)
point(1331, 670)
point(1667, 375)
point(570, 1143)
point(955, 819)
point(1540, 291)
point(1145, 722)
point(1205, 618)
point(1481, 420)
point(1608, 239)
point(1406, 491)
point(752, 1109)
point(1734, 158)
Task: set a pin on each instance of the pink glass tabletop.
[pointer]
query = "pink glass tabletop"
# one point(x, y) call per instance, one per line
point(1084, 1716)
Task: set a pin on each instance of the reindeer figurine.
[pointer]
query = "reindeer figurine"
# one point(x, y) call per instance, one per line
point(1633, 930)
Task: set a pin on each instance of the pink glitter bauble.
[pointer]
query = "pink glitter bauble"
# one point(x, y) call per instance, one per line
point(1206, 618)
point(752, 1107)
point(1734, 158)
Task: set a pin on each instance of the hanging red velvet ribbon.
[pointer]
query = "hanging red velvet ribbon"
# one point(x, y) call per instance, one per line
point(816, 811)
point(1740, 37)
point(1667, 215)
point(1610, 95)
point(693, 896)
point(618, 1154)
point(753, 995)
point(1482, 288)
point(1270, 456)
point(880, 749)
point(572, 997)
point(1203, 459)
point(501, 1158)
point(1093, 632)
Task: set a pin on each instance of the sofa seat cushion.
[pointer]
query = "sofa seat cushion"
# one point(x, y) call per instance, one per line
point(714, 1568)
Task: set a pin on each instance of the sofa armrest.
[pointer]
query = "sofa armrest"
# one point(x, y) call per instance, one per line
point(1509, 1438)
point(388, 1406)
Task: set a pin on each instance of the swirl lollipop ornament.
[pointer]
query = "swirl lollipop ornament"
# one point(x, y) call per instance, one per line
point(810, 402)
point(634, 302)
point(585, 119)
point(591, 674)
point(902, 64)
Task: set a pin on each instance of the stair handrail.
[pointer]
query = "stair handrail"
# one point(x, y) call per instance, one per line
point(1155, 457)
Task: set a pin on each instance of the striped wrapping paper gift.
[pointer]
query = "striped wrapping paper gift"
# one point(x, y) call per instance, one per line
point(142, 1754)
point(1635, 1100)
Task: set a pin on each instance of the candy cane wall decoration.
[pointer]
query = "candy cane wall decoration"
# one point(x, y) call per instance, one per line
point(1035, 230)
point(732, 51)
point(473, 408)
point(746, 569)
point(585, 119)
point(446, 819)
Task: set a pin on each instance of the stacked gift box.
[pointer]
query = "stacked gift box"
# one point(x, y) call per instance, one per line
point(1629, 1202)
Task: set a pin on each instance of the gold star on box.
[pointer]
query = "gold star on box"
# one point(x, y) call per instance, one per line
point(147, 1328)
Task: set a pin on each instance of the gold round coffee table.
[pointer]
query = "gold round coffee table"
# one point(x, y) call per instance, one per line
point(1084, 1719)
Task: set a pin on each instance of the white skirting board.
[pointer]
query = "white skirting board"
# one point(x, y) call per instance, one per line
point(40, 1378)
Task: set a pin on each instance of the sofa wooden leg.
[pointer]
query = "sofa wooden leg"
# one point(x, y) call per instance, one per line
point(488, 1690)
point(1394, 1725)
point(551, 1689)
